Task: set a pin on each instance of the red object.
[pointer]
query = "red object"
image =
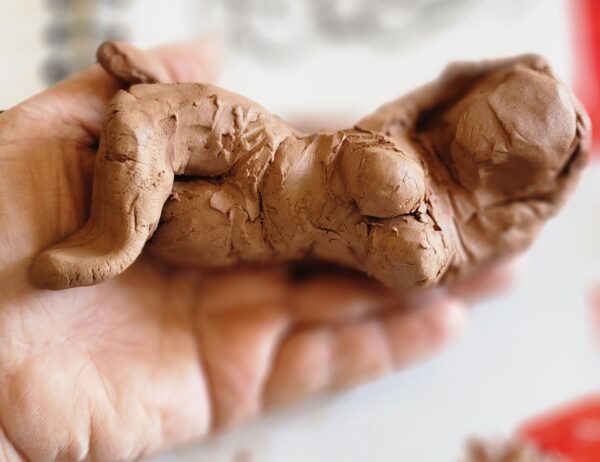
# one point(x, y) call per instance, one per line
point(586, 28)
point(572, 431)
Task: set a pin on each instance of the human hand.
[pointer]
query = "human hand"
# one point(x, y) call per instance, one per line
point(158, 356)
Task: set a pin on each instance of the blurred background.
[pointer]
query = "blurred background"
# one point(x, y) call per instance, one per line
point(333, 61)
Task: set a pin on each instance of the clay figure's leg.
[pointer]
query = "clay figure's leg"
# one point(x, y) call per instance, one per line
point(149, 134)
point(205, 224)
point(132, 179)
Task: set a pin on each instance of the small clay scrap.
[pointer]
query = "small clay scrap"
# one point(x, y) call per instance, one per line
point(456, 174)
point(509, 450)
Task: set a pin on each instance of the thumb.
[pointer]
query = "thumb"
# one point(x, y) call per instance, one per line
point(81, 100)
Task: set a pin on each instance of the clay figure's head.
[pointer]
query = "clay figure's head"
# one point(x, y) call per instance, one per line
point(514, 136)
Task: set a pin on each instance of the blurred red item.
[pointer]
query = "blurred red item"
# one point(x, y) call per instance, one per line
point(586, 27)
point(572, 431)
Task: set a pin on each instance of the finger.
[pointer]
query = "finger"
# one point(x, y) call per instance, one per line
point(198, 61)
point(327, 294)
point(130, 65)
point(488, 281)
point(308, 122)
point(172, 63)
point(327, 358)
point(261, 347)
point(333, 297)
point(80, 100)
point(321, 296)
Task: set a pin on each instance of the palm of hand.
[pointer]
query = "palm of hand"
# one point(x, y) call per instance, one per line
point(157, 357)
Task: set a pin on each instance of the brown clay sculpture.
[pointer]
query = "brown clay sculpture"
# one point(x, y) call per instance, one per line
point(456, 174)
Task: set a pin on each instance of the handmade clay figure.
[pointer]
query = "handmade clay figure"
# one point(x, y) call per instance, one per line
point(456, 174)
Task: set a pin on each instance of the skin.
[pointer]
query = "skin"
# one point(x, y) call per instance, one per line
point(455, 175)
point(160, 356)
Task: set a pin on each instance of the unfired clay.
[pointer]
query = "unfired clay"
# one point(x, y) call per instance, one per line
point(458, 173)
